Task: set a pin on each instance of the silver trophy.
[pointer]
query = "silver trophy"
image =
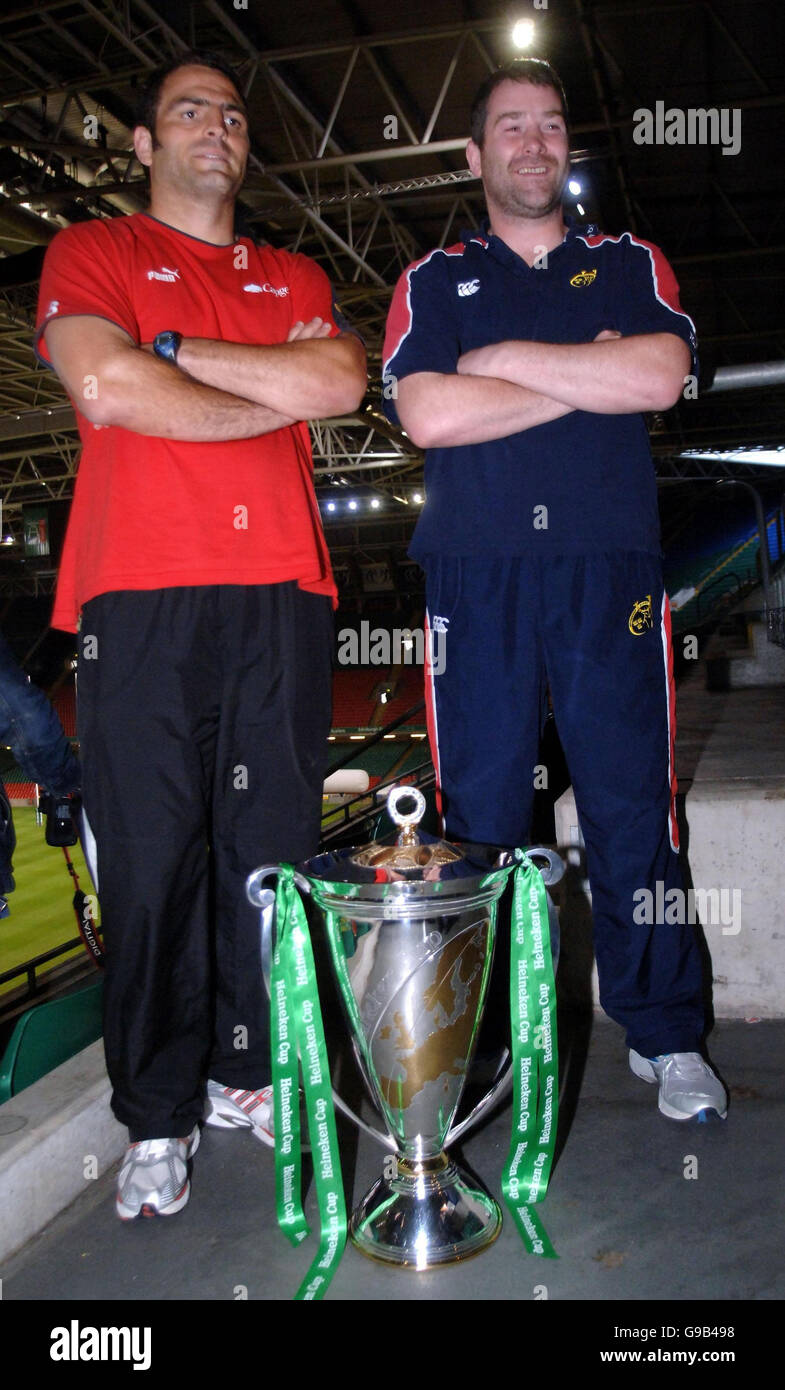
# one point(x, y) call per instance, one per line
point(411, 924)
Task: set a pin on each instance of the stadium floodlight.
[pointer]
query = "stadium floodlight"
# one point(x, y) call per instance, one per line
point(523, 33)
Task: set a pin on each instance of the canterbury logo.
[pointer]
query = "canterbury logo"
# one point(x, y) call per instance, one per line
point(163, 274)
point(640, 619)
point(584, 277)
point(439, 624)
point(468, 287)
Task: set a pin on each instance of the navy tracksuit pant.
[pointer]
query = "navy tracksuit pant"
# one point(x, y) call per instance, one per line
point(595, 630)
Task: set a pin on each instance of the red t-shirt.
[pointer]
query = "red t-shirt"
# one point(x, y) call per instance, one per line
point(152, 513)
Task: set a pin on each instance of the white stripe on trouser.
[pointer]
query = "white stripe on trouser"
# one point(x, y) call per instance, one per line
point(666, 653)
point(90, 848)
point(430, 697)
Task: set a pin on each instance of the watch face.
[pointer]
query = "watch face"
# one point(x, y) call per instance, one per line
point(166, 344)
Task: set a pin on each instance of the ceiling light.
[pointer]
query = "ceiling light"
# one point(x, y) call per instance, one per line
point(774, 458)
point(375, 503)
point(352, 506)
point(417, 497)
point(574, 186)
point(523, 33)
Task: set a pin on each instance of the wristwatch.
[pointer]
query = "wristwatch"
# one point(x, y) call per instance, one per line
point(166, 345)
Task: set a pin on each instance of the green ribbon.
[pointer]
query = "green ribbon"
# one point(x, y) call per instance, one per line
point(535, 1059)
point(297, 1042)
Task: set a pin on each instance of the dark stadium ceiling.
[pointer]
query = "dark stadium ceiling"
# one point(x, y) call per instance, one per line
point(359, 118)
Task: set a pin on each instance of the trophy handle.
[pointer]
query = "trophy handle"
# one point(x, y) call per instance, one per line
point(552, 871)
point(264, 899)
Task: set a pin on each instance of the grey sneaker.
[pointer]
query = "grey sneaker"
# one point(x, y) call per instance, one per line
point(688, 1086)
point(229, 1108)
point(153, 1179)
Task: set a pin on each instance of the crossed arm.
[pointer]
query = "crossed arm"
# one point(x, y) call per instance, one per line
point(224, 390)
point(509, 387)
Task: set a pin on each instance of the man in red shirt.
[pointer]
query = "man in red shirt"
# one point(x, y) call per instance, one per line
point(196, 572)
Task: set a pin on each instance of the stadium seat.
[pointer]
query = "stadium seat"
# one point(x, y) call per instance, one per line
point(47, 1035)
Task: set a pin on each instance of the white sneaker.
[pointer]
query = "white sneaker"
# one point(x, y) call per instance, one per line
point(153, 1179)
point(228, 1108)
point(688, 1086)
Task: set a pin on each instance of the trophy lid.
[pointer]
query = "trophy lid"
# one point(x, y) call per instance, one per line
point(406, 853)
point(408, 857)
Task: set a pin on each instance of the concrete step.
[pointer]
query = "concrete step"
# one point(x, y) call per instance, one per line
point(761, 662)
point(56, 1137)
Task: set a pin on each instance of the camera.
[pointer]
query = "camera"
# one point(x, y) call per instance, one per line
point(60, 813)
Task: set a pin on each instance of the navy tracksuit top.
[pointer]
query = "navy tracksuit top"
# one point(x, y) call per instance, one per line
point(593, 472)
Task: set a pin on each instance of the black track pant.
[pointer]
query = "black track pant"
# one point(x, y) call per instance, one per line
point(203, 720)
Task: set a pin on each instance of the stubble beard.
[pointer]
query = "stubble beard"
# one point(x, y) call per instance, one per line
point(182, 177)
point(516, 202)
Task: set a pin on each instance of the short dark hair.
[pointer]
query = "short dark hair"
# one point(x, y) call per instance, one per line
point(534, 70)
point(147, 104)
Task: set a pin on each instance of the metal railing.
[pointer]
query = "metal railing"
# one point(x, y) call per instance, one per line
point(729, 595)
point(28, 968)
point(376, 737)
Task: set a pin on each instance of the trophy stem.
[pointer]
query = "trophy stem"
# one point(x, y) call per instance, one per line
point(429, 1213)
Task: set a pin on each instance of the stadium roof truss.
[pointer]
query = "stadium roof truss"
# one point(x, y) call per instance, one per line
point(357, 131)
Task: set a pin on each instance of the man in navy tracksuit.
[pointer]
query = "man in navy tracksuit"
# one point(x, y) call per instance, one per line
point(521, 359)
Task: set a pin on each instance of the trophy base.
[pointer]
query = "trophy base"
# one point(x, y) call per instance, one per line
point(429, 1214)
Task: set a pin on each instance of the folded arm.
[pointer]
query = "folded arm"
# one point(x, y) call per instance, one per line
point(312, 376)
point(443, 411)
point(116, 383)
point(611, 376)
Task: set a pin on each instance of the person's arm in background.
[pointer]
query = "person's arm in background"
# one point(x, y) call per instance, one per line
point(32, 730)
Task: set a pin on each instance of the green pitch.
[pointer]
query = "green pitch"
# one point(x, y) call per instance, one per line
point(42, 915)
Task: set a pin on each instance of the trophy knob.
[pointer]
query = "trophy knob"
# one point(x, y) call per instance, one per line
point(407, 820)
